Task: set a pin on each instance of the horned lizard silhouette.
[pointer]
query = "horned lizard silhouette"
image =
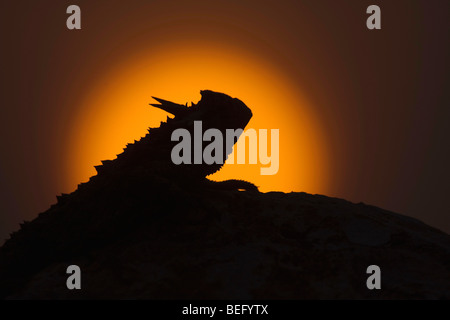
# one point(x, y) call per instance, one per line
point(153, 152)
point(140, 183)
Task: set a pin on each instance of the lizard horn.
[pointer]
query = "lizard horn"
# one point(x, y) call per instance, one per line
point(170, 107)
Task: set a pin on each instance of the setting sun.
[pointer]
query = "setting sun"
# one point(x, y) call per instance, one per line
point(116, 111)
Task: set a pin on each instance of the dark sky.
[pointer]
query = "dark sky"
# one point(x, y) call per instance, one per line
point(382, 95)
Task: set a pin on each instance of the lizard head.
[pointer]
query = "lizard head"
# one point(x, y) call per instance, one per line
point(215, 110)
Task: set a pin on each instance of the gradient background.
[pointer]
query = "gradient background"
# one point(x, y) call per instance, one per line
point(368, 110)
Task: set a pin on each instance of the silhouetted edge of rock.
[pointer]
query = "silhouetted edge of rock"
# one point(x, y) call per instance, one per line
point(214, 244)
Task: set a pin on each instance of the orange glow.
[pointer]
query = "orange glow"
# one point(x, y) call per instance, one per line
point(116, 111)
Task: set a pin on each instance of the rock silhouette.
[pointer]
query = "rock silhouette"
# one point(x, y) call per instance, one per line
point(145, 228)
